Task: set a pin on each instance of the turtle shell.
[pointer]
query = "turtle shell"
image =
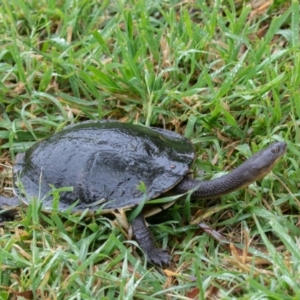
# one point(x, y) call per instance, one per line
point(105, 163)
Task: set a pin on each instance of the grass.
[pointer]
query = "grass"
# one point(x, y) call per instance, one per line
point(224, 74)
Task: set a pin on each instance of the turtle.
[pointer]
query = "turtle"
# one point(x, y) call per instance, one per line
point(112, 165)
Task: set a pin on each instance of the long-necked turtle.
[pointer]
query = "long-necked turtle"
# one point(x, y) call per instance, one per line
point(105, 162)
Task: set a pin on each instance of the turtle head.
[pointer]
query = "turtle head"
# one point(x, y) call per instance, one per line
point(263, 161)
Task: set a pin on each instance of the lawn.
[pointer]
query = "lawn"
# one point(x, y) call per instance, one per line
point(225, 74)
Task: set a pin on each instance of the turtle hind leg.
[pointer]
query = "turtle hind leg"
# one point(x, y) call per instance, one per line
point(146, 241)
point(9, 202)
point(8, 205)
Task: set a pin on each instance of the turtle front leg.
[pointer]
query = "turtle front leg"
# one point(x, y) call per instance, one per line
point(146, 241)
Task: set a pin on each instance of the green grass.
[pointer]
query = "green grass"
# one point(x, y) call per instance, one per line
point(216, 72)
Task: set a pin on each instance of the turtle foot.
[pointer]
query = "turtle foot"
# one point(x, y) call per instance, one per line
point(158, 256)
point(146, 241)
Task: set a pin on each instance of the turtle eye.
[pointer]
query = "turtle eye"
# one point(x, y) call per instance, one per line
point(276, 150)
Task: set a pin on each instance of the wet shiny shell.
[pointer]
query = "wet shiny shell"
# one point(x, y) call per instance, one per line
point(105, 163)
